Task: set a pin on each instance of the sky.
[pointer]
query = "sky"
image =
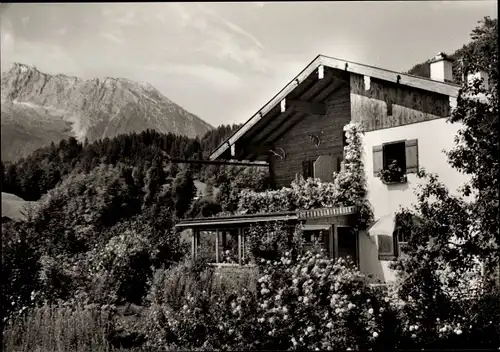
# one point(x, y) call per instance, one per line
point(224, 61)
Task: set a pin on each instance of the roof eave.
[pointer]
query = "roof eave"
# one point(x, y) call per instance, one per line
point(423, 83)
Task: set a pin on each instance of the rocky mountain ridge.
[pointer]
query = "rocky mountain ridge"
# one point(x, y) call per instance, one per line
point(38, 108)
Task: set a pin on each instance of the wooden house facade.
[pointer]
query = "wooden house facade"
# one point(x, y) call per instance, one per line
point(300, 131)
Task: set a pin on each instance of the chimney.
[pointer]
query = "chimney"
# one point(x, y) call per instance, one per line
point(441, 68)
point(479, 75)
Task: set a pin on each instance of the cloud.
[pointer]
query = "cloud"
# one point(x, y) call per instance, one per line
point(62, 31)
point(220, 37)
point(128, 19)
point(112, 37)
point(216, 76)
point(7, 42)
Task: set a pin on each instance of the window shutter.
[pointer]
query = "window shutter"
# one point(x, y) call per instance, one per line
point(324, 168)
point(378, 159)
point(411, 155)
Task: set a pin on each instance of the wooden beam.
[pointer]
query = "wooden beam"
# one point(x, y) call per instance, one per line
point(336, 241)
point(331, 245)
point(193, 244)
point(391, 76)
point(321, 72)
point(221, 162)
point(217, 246)
point(306, 107)
point(240, 230)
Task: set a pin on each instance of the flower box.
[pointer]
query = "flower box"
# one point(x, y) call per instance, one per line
point(393, 175)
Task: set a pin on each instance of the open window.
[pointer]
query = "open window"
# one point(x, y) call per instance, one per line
point(392, 161)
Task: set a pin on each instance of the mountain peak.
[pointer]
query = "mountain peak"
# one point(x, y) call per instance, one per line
point(92, 109)
point(17, 66)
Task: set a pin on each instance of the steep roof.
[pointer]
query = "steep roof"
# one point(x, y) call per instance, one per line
point(342, 66)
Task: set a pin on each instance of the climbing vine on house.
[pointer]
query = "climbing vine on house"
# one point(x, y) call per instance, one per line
point(347, 189)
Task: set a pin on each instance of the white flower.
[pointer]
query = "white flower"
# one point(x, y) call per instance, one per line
point(293, 341)
point(458, 332)
point(310, 329)
point(329, 325)
point(351, 306)
point(260, 320)
point(230, 331)
point(185, 307)
point(278, 297)
point(306, 299)
point(375, 334)
point(370, 311)
point(285, 317)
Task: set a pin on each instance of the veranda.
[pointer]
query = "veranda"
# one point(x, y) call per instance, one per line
point(225, 239)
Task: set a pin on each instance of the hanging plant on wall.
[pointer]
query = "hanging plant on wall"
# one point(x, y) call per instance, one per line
point(393, 174)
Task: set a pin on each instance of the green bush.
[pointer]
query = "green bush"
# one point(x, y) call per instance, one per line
point(20, 266)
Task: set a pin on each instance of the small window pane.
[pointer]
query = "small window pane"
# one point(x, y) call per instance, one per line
point(228, 246)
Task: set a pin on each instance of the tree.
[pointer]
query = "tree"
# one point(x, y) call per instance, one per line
point(477, 150)
point(184, 191)
point(454, 232)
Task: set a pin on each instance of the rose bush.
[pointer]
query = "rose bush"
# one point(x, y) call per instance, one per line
point(308, 303)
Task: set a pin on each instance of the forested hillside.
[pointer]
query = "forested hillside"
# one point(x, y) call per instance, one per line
point(459, 56)
point(31, 177)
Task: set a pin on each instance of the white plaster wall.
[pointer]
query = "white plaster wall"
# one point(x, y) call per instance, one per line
point(433, 136)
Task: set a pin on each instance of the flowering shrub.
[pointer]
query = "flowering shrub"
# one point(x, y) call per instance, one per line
point(348, 188)
point(271, 241)
point(393, 174)
point(318, 303)
point(309, 303)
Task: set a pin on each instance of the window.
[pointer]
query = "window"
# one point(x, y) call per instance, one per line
point(314, 238)
point(400, 154)
point(394, 154)
point(386, 247)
